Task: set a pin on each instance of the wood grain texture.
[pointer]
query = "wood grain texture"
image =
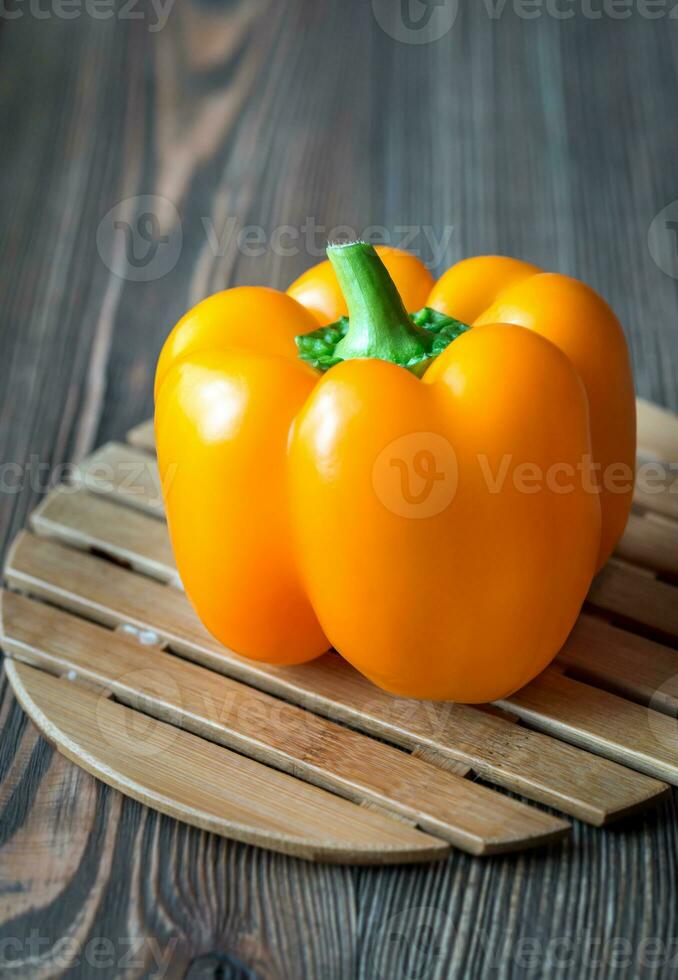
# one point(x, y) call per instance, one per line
point(619, 660)
point(657, 431)
point(540, 768)
point(651, 542)
point(635, 595)
point(207, 786)
point(91, 521)
point(550, 139)
point(276, 734)
point(657, 491)
point(637, 736)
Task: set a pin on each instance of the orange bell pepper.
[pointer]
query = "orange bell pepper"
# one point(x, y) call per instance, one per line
point(422, 496)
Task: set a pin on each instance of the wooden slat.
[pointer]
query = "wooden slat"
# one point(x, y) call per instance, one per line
point(142, 436)
point(636, 736)
point(656, 489)
point(653, 496)
point(584, 786)
point(652, 542)
point(657, 430)
point(124, 474)
point(93, 521)
point(622, 662)
point(329, 755)
point(206, 785)
point(635, 595)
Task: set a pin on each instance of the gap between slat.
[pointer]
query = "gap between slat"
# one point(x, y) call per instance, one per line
point(526, 762)
point(274, 732)
point(80, 519)
point(210, 787)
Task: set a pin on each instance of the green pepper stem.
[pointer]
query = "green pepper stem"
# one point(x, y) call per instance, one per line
point(379, 325)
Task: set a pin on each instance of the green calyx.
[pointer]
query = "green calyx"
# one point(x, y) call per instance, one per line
point(319, 348)
point(378, 326)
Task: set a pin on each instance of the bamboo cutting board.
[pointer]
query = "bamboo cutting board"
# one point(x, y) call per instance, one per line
point(112, 665)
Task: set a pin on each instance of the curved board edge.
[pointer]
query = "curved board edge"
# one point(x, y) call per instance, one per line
point(362, 836)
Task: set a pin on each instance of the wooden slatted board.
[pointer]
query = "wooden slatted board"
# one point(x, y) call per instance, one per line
point(111, 663)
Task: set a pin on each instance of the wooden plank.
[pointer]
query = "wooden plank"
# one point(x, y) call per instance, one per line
point(122, 473)
point(635, 595)
point(204, 784)
point(657, 430)
point(579, 784)
point(652, 542)
point(93, 521)
point(653, 496)
point(142, 436)
point(272, 731)
point(622, 662)
point(598, 721)
point(656, 489)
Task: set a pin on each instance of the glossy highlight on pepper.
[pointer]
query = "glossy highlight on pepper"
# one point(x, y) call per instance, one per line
point(372, 510)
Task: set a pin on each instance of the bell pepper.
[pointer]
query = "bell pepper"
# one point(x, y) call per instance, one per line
point(424, 492)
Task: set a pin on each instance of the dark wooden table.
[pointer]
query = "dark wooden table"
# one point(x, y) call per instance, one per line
point(230, 139)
